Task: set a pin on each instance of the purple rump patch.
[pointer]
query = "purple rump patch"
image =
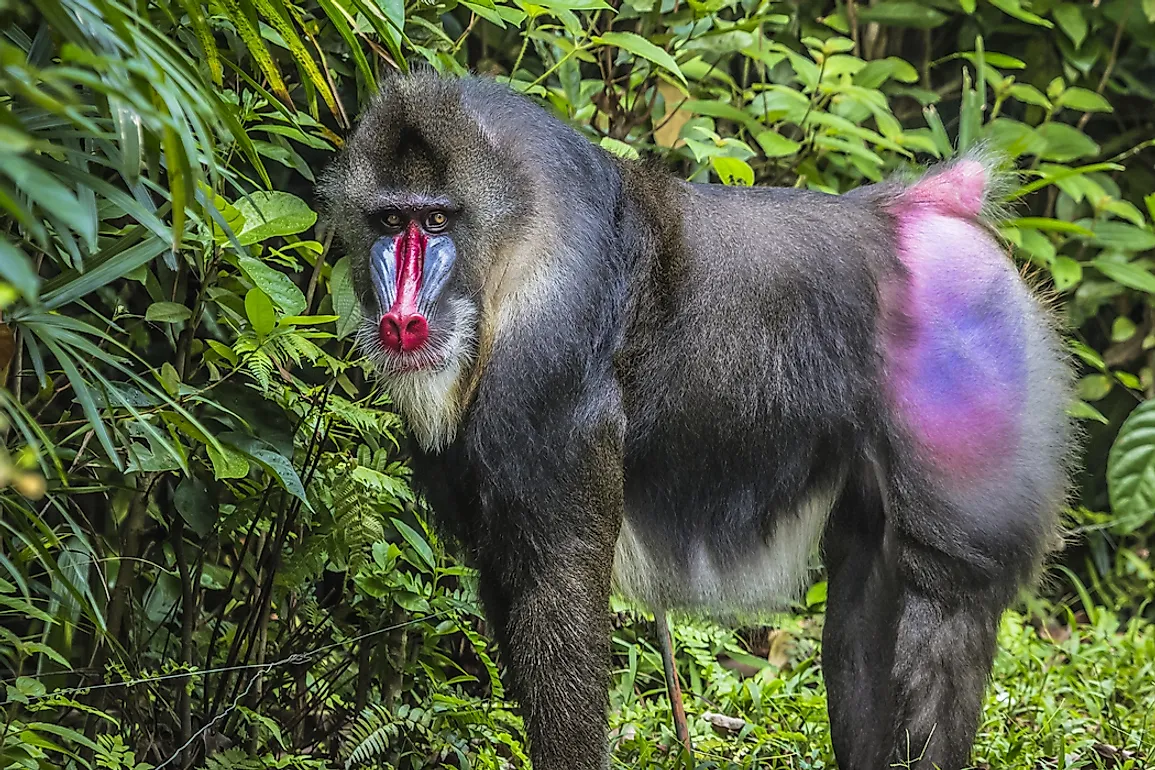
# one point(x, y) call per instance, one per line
point(954, 341)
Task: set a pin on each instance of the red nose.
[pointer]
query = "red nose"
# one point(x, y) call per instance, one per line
point(402, 332)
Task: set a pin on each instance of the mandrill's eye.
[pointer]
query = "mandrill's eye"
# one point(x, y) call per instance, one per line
point(394, 220)
point(436, 221)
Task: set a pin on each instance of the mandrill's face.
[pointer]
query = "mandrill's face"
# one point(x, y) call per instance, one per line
point(421, 308)
point(423, 201)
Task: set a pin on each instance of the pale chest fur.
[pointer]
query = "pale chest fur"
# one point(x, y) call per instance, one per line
point(763, 577)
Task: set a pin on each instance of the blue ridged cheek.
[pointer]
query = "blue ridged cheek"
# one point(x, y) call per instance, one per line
point(440, 256)
point(383, 270)
point(437, 267)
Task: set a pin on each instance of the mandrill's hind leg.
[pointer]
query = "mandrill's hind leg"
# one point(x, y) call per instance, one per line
point(915, 597)
point(967, 476)
point(858, 638)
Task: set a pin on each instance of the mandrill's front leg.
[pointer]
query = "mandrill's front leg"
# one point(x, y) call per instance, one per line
point(545, 584)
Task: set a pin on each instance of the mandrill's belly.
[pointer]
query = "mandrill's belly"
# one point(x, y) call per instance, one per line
point(752, 561)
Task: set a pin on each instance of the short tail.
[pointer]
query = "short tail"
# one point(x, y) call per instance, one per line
point(969, 187)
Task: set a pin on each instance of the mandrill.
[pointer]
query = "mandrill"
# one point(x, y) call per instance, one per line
point(618, 380)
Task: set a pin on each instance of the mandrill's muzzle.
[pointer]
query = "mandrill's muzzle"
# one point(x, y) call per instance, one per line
point(409, 271)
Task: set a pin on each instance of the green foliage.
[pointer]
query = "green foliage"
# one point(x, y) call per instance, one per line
point(206, 508)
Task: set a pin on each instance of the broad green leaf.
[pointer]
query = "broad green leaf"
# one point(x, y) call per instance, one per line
point(1089, 355)
point(639, 46)
point(83, 394)
point(307, 320)
point(732, 171)
point(411, 602)
point(270, 214)
point(902, 13)
point(146, 457)
point(1128, 380)
point(831, 45)
point(195, 504)
point(724, 111)
point(344, 298)
point(1071, 21)
point(489, 13)
point(1013, 137)
point(1028, 94)
point(1131, 470)
point(1065, 143)
point(114, 262)
point(990, 58)
point(224, 351)
point(167, 312)
point(780, 103)
point(227, 462)
point(1066, 273)
point(1049, 223)
point(169, 379)
point(774, 145)
point(279, 466)
point(54, 198)
point(1084, 100)
point(573, 5)
point(1122, 209)
point(1037, 245)
point(1052, 174)
point(276, 284)
point(1081, 410)
point(227, 221)
point(418, 542)
point(878, 71)
point(16, 269)
point(259, 309)
point(1122, 329)
point(817, 593)
point(277, 16)
point(618, 147)
point(248, 32)
point(1094, 387)
point(1127, 273)
point(1120, 235)
point(852, 148)
point(1015, 8)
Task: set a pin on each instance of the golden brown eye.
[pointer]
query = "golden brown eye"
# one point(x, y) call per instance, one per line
point(393, 220)
point(436, 221)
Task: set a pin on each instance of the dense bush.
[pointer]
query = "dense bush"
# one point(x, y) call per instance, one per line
point(209, 551)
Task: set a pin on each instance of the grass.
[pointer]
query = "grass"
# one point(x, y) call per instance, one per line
point(1076, 695)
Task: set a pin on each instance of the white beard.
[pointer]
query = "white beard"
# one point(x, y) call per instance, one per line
point(429, 399)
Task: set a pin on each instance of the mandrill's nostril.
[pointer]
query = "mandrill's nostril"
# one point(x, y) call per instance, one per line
point(403, 333)
point(414, 332)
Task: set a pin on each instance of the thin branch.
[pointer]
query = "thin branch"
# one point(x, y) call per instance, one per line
point(1112, 59)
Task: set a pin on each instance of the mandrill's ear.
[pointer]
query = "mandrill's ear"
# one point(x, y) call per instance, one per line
point(336, 217)
point(328, 195)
